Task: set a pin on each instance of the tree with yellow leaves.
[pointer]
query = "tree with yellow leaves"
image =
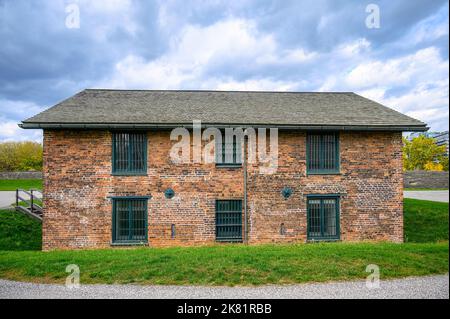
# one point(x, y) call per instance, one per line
point(422, 153)
point(20, 156)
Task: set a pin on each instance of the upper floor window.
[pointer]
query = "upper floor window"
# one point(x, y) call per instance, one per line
point(322, 153)
point(129, 153)
point(229, 153)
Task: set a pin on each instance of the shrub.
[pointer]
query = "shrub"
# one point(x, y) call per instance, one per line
point(20, 156)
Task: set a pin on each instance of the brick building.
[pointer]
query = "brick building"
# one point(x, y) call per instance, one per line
point(109, 178)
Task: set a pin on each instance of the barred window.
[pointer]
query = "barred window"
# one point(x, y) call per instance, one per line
point(129, 153)
point(129, 220)
point(229, 153)
point(322, 152)
point(229, 220)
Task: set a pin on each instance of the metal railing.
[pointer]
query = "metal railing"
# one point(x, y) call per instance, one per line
point(34, 195)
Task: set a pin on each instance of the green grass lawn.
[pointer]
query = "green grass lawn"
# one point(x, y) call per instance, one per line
point(229, 264)
point(426, 252)
point(27, 204)
point(19, 232)
point(425, 221)
point(13, 184)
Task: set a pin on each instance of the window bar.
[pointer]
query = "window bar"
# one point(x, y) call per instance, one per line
point(121, 153)
point(234, 150)
point(325, 151)
point(132, 153)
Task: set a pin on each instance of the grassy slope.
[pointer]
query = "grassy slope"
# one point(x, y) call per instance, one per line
point(229, 264)
point(13, 184)
point(239, 264)
point(19, 232)
point(425, 221)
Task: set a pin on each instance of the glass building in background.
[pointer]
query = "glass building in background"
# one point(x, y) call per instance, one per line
point(441, 138)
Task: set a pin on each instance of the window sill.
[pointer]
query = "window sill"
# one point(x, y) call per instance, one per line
point(131, 243)
point(227, 240)
point(324, 173)
point(229, 165)
point(321, 240)
point(129, 174)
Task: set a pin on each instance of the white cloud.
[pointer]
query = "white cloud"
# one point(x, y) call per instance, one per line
point(12, 113)
point(135, 72)
point(110, 6)
point(376, 94)
point(353, 48)
point(423, 99)
point(10, 131)
point(432, 114)
point(426, 64)
point(415, 84)
point(285, 57)
point(19, 109)
point(329, 84)
point(191, 51)
point(428, 33)
point(195, 49)
point(421, 80)
point(429, 29)
point(104, 17)
point(255, 85)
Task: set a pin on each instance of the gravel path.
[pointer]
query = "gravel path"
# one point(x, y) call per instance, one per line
point(7, 198)
point(435, 196)
point(414, 287)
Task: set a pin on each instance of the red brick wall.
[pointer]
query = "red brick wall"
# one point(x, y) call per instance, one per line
point(78, 181)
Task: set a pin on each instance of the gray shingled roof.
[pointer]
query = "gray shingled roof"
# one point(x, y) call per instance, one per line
point(139, 108)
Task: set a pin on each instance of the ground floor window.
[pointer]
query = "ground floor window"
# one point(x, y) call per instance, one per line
point(229, 220)
point(129, 220)
point(323, 217)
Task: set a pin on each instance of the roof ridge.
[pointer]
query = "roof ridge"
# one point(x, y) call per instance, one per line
point(220, 91)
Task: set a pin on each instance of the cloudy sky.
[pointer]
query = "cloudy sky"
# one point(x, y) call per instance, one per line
point(318, 45)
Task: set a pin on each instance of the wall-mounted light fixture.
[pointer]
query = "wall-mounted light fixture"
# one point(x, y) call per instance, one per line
point(169, 193)
point(286, 192)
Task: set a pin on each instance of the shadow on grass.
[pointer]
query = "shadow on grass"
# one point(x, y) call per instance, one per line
point(19, 232)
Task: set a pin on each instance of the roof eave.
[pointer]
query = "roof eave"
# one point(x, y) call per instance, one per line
point(117, 126)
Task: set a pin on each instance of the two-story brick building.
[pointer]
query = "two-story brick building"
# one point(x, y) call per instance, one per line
point(109, 178)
